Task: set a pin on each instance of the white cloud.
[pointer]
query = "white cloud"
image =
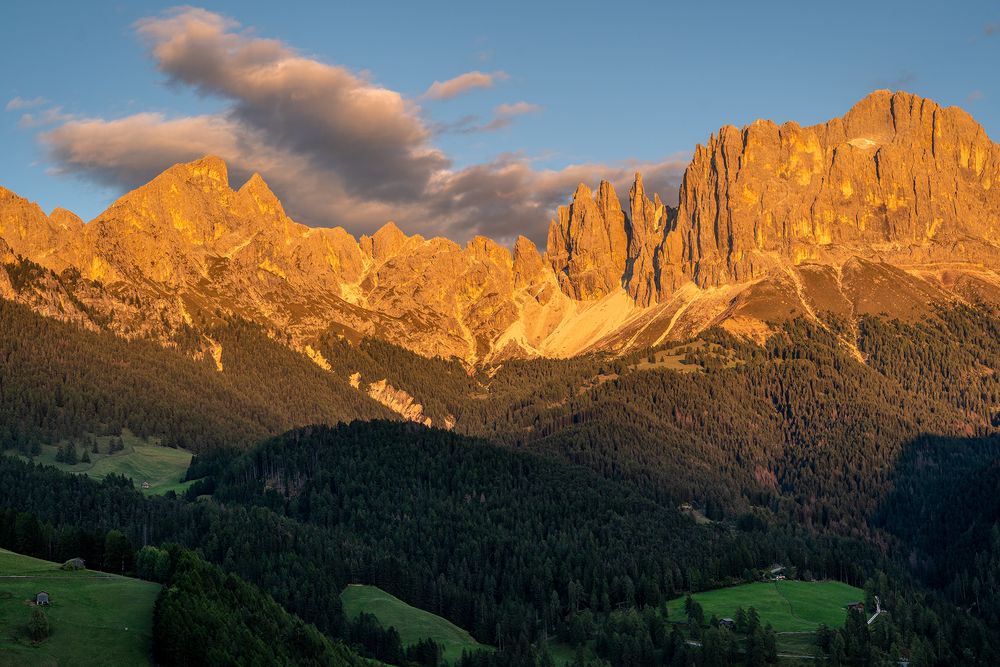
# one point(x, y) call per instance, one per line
point(463, 83)
point(49, 116)
point(19, 103)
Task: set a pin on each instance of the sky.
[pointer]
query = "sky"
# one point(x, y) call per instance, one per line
point(455, 118)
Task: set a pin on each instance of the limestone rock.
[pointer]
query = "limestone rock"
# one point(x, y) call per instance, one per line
point(647, 228)
point(398, 401)
point(7, 255)
point(385, 243)
point(889, 208)
point(898, 178)
point(258, 195)
point(66, 221)
point(25, 227)
point(588, 244)
point(528, 264)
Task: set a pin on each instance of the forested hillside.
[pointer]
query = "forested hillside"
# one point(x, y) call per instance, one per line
point(206, 617)
point(59, 381)
point(803, 425)
point(820, 449)
point(512, 546)
point(945, 511)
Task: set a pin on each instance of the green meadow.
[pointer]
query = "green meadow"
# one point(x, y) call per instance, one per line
point(411, 623)
point(789, 606)
point(95, 618)
point(141, 460)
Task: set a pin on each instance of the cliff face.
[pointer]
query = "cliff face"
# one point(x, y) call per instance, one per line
point(25, 228)
point(888, 209)
point(898, 178)
point(588, 244)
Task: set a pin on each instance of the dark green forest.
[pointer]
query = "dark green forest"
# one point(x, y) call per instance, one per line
point(513, 546)
point(59, 381)
point(206, 617)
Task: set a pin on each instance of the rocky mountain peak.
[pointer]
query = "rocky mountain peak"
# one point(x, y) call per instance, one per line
point(898, 177)
point(484, 248)
point(607, 201)
point(24, 225)
point(527, 262)
point(209, 173)
point(773, 221)
point(647, 227)
point(384, 243)
point(260, 197)
point(582, 192)
point(66, 220)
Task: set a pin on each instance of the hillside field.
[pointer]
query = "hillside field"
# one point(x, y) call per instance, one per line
point(411, 623)
point(95, 618)
point(789, 606)
point(141, 461)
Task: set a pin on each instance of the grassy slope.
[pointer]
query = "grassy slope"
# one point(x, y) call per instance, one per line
point(141, 460)
point(673, 358)
point(790, 606)
point(411, 623)
point(96, 618)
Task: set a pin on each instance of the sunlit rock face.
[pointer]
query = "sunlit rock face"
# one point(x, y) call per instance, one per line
point(25, 228)
point(890, 208)
point(588, 244)
point(898, 178)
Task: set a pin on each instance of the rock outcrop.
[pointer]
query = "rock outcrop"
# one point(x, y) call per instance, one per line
point(588, 244)
point(892, 207)
point(396, 400)
point(648, 226)
point(898, 178)
point(25, 227)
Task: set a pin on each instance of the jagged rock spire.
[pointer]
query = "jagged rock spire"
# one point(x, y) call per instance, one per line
point(646, 231)
point(588, 243)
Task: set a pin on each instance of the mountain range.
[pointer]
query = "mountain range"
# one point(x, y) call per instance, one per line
point(795, 369)
point(890, 209)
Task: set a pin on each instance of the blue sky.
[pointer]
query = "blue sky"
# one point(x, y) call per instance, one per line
point(591, 90)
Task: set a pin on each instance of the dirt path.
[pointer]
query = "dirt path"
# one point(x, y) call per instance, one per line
point(56, 576)
point(791, 609)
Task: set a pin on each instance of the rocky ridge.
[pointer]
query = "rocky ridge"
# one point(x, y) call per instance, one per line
point(891, 208)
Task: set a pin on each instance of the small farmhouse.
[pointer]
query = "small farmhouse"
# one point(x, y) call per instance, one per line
point(42, 598)
point(856, 606)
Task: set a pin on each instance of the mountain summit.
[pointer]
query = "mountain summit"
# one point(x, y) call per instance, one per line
point(890, 208)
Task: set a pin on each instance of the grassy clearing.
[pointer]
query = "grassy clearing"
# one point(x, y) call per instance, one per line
point(685, 358)
point(141, 460)
point(789, 606)
point(95, 618)
point(411, 623)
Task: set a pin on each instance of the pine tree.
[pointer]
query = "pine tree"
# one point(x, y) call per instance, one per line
point(38, 624)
